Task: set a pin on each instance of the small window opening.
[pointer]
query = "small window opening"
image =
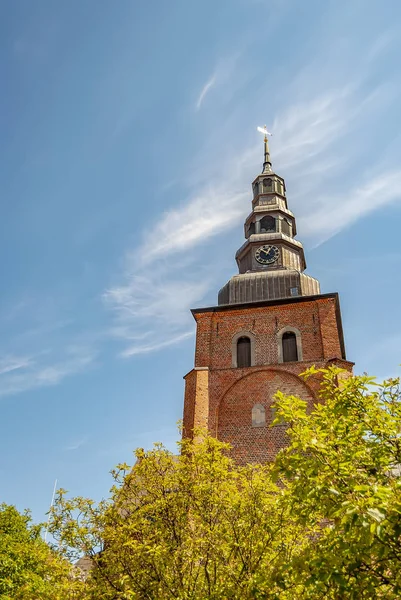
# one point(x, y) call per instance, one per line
point(267, 224)
point(290, 350)
point(294, 291)
point(256, 189)
point(258, 416)
point(244, 352)
point(251, 229)
point(267, 184)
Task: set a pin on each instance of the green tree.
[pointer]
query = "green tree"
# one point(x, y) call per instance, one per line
point(323, 521)
point(187, 526)
point(342, 475)
point(29, 568)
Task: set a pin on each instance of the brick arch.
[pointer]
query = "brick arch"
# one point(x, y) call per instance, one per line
point(234, 413)
point(270, 369)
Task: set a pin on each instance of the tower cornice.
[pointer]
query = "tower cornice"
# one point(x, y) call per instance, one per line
point(270, 238)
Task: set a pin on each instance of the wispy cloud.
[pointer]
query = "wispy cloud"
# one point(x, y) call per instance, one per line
point(382, 43)
point(12, 363)
point(156, 345)
point(151, 309)
point(314, 146)
point(305, 129)
point(151, 306)
point(214, 209)
point(223, 78)
point(206, 88)
point(76, 444)
point(36, 372)
point(334, 214)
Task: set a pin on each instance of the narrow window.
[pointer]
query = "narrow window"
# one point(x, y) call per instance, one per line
point(285, 227)
point(256, 189)
point(251, 229)
point(290, 351)
point(244, 352)
point(267, 184)
point(258, 416)
point(268, 223)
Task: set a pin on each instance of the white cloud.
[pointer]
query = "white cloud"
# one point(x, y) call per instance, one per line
point(214, 209)
point(152, 308)
point(222, 77)
point(305, 129)
point(206, 88)
point(312, 144)
point(156, 345)
point(34, 373)
point(334, 214)
point(12, 363)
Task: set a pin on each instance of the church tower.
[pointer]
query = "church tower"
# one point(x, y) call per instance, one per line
point(271, 323)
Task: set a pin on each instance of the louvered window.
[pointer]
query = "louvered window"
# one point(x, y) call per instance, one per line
point(244, 352)
point(290, 351)
point(285, 227)
point(268, 223)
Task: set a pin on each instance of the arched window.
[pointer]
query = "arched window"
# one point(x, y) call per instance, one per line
point(286, 227)
point(243, 352)
point(289, 343)
point(258, 416)
point(267, 184)
point(268, 223)
point(256, 189)
point(243, 349)
point(251, 229)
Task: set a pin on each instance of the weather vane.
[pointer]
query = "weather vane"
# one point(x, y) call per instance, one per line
point(264, 130)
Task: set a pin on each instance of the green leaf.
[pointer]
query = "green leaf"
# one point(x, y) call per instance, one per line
point(376, 514)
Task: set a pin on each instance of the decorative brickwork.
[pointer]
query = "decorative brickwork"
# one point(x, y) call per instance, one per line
point(234, 413)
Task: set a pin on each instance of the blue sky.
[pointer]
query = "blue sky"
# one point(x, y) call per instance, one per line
point(128, 145)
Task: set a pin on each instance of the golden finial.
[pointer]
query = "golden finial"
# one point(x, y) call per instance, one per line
point(264, 130)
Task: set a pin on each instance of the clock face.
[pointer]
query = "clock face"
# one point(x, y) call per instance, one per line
point(267, 254)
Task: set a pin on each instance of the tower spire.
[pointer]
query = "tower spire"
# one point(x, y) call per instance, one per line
point(267, 164)
point(271, 262)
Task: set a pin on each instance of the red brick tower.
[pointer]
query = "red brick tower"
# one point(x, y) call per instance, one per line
point(271, 323)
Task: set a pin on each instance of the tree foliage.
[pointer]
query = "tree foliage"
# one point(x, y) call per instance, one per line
point(323, 521)
point(192, 526)
point(29, 568)
point(342, 473)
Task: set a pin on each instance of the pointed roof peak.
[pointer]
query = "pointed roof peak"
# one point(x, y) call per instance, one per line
point(267, 164)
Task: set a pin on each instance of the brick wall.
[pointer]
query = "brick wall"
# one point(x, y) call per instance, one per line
point(234, 413)
point(224, 399)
